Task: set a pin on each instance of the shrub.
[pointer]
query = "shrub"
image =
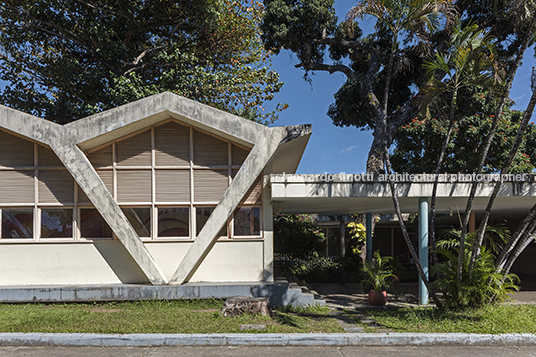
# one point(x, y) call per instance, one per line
point(297, 235)
point(483, 287)
point(317, 269)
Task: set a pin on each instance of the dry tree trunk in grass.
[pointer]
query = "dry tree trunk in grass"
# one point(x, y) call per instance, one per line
point(239, 305)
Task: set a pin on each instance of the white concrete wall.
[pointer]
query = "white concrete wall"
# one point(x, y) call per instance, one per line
point(109, 263)
point(228, 261)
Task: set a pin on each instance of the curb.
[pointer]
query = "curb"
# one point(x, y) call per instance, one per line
point(276, 339)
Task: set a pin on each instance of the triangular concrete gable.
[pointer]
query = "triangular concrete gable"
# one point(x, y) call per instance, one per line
point(71, 140)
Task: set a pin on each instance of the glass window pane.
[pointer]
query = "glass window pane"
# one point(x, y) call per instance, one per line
point(201, 217)
point(17, 223)
point(173, 222)
point(56, 223)
point(247, 221)
point(140, 219)
point(92, 225)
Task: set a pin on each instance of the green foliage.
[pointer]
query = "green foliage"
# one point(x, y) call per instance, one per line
point(359, 237)
point(485, 285)
point(297, 235)
point(379, 272)
point(418, 143)
point(317, 269)
point(294, 25)
point(64, 60)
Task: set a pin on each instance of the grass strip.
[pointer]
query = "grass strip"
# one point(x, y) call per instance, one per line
point(155, 316)
point(493, 319)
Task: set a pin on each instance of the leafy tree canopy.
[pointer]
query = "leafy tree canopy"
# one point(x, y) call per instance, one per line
point(67, 59)
point(419, 142)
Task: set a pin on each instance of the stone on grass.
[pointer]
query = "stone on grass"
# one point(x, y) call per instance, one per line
point(245, 327)
point(238, 305)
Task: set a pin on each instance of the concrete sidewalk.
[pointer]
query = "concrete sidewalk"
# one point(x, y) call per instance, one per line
point(276, 339)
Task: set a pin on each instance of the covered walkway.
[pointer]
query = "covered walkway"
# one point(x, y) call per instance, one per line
point(371, 194)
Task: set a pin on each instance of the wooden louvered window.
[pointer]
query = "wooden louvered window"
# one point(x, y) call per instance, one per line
point(17, 186)
point(172, 185)
point(166, 179)
point(172, 145)
point(15, 151)
point(134, 186)
point(55, 186)
point(135, 150)
point(210, 185)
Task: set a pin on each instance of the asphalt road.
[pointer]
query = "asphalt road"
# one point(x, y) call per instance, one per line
point(435, 351)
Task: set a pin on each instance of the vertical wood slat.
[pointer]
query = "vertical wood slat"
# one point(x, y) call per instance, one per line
point(134, 151)
point(210, 185)
point(209, 151)
point(172, 185)
point(47, 158)
point(172, 145)
point(15, 152)
point(17, 186)
point(133, 186)
point(55, 186)
point(102, 157)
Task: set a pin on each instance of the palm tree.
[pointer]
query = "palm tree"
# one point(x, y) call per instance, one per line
point(469, 60)
point(412, 18)
point(524, 10)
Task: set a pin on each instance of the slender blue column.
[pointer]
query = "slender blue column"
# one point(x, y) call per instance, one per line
point(368, 228)
point(423, 248)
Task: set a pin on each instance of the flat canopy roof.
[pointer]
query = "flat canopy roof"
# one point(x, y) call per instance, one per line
point(362, 193)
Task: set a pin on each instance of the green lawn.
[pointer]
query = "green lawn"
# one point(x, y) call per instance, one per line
point(491, 319)
point(202, 316)
point(183, 316)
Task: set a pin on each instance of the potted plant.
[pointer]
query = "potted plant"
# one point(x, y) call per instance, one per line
point(379, 274)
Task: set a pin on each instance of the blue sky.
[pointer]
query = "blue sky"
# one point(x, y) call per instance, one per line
point(332, 149)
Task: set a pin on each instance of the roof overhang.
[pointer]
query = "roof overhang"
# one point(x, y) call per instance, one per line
point(338, 195)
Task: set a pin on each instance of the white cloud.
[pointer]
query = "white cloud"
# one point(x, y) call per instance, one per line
point(348, 150)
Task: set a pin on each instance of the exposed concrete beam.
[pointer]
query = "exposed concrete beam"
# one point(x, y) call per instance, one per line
point(62, 141)
point(90, 182)
point(252, 167)
point(109, 125)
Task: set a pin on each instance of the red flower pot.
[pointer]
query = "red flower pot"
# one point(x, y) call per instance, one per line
point(377, 299)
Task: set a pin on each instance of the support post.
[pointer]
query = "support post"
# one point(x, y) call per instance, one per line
point(423, 248)
point(368, 228)
point(342, 238)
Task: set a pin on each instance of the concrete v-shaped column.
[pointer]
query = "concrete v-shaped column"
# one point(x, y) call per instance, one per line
point(62, 141)
point(252, 167)
point(89, 181)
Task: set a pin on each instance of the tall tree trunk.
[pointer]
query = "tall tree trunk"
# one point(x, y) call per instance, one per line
point(431, 224)
point(498, 114)
point(388, 168)
point(505, 169)
point(516, 236)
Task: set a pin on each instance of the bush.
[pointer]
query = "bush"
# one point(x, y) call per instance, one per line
point(297, 235)
point(317, 269)
point(483, 287)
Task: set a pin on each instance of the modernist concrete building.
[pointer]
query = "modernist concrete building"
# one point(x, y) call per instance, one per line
point(163, 191)
point(169, 198)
